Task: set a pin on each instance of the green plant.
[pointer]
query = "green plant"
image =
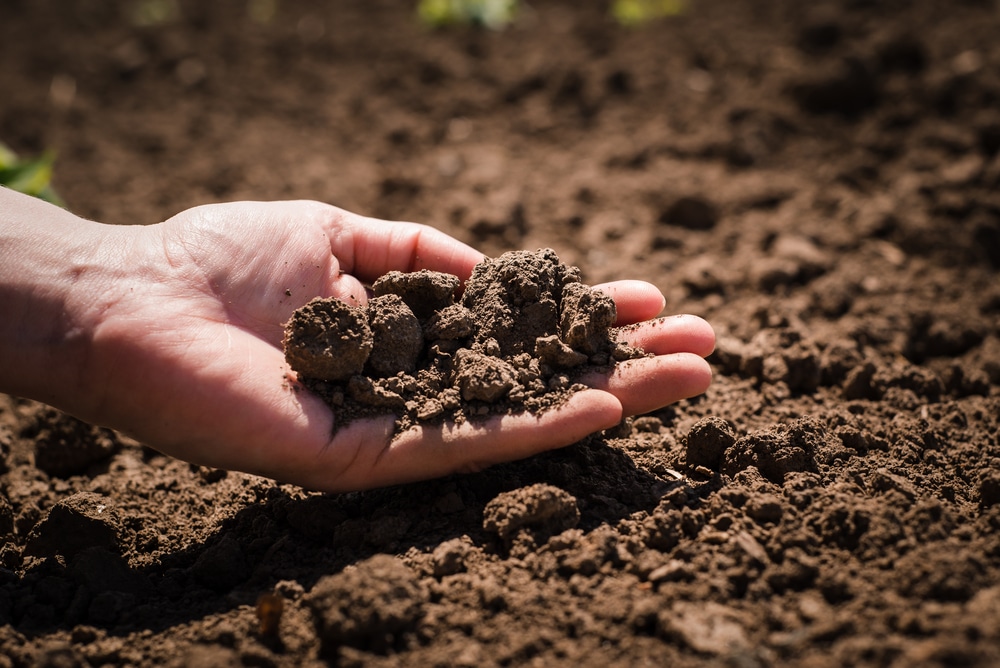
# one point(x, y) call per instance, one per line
point(489, 13)
point(635, 12)
point(150, 13)
point(30, 176)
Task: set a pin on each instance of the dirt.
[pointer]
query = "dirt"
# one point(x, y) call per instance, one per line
point(524, 330)
point(820, 181)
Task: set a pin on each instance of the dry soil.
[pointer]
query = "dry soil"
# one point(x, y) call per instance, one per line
point(821, 181)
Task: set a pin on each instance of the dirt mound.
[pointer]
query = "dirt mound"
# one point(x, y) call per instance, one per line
point(524, 329)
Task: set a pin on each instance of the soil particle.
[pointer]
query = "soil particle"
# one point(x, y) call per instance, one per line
point(66, 446)
point(425, 292)
point(782, 355)
point(451, 323)
point(76, 523)
point(940, 573)
point(482, 377)
point(765, 509)
point(328, 339)
point(708, 628)
point(373, 606)
point(364, 391)
point(449, 557)
point(885, 480)
point(707, 441)
point(777, 451)
point(585, 316)
point(397, 339)
point(693, 213)
point(556, 353)
point(515, 298)
point(542, 508)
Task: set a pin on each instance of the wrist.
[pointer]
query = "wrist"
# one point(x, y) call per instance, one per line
point(56, 275)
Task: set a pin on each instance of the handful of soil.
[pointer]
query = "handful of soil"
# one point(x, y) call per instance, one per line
point(524, 330)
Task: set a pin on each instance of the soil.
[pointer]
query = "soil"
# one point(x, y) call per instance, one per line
point(821, 181)
point(525, 328)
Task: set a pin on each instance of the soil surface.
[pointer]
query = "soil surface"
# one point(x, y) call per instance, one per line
point(821, 181)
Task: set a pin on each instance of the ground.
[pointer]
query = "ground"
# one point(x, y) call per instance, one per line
point(821, 181)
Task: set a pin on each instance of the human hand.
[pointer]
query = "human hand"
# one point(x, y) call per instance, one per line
point(185, 349)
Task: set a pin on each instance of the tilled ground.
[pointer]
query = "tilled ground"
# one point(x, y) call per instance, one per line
point(820, 182)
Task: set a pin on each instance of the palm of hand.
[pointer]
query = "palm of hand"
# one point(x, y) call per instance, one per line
point(206, 379)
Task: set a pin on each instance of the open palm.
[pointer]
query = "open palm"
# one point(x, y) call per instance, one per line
point(188, 354)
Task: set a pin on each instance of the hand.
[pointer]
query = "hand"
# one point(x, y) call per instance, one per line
point(185, 351)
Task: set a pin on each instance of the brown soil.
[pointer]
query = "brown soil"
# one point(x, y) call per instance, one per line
point(820, 181)
point(524, 330)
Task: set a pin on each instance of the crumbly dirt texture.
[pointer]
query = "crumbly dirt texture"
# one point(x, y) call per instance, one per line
point(818, 180)
point(524, 330)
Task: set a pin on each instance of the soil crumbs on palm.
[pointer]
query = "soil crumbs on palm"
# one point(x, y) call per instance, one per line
point(523, 331)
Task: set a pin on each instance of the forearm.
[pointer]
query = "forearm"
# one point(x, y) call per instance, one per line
point(51, 262)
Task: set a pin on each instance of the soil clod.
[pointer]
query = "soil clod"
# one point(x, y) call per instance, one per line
point(524, 324)
point(82, 521)
point(328, 339)
point(541, 507)
point(371, 607)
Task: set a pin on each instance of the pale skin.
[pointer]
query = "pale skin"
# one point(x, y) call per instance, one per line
point(172, 333)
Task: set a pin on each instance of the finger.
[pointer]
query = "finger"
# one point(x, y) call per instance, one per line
point(383, 246)
point(650, 383)
point(369, 247)
point(428, 452)
point(348, 288)
point(673, 334)
point(635, 300)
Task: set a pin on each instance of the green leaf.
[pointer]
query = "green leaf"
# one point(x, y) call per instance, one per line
point(31, 177)
point(493, 14)
point(7, 156)
point(637, 12)
point(151, 13)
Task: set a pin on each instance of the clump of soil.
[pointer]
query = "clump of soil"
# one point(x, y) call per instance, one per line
point(65, 446)
point(522, 333)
